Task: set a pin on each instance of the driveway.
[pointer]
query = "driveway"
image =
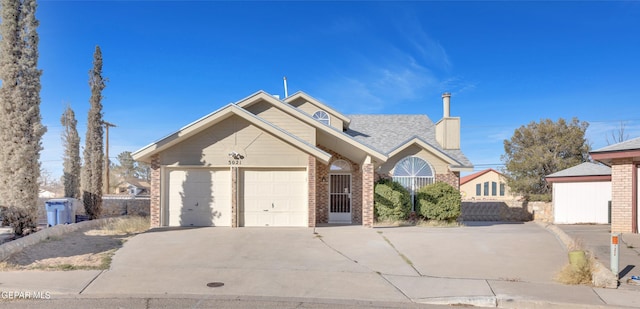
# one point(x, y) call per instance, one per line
point(341, 262)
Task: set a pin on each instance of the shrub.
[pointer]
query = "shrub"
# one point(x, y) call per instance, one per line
point(539, 197)
point(439, 201)
point(392, 201)
point(21, 220)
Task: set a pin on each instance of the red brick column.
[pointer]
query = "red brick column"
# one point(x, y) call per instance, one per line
point(621, 195)
point(452, 178)
point(311, 176)
point(368, 179)
point(154, 211)
point(234, 196)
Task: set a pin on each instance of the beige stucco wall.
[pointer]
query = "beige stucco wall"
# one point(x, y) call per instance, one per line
point(311, 108)
point(448, 133)
point(468, 190)
point(212, 147)
point(439, 165)
point(283, 120)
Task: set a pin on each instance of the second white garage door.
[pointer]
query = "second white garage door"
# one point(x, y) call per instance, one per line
point(199, 197)
point(274, 198)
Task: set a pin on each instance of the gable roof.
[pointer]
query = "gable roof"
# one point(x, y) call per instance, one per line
point(626, 149)
point(583, 169)
point(391, 132)
point(632, 144)
point(262, 96)
point(207, 121)
point(320, 105)
point(584, 172)
point(473, 176)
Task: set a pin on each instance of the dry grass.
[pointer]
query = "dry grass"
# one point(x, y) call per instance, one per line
point(438, 223)
point(576, 274)
point(419, 223)
point(89, 248)
point(127, 225)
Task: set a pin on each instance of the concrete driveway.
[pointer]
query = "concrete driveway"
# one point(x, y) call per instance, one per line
point(341, 262)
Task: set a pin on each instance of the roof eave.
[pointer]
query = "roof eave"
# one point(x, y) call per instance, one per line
point(145, 153)
point(588, 178)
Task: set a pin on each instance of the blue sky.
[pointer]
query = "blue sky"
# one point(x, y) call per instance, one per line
point(505, 63)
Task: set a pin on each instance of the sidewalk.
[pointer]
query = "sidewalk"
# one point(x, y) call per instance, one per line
point(597, 239)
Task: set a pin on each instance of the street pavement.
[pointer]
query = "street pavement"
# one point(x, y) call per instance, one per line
point(488, 264)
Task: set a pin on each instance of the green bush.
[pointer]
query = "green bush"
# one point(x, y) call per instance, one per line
point(439, 201)
point(539, 198)
point(392, 201)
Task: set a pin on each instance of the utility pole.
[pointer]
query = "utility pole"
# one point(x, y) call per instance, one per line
point(106, 157)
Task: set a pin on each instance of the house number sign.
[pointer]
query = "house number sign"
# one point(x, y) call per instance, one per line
point(236, 158)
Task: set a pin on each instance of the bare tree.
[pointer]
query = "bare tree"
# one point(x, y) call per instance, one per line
point(619, 135)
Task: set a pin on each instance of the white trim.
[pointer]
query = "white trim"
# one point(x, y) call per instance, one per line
point(339, 220)
point(328, 117)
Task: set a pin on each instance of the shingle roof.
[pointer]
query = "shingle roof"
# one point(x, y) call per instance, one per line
point(584, 169)
point(632, 144)
point(388, 132)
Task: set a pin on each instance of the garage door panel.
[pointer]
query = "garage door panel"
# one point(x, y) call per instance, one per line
point(199, 197)
point(275, 198)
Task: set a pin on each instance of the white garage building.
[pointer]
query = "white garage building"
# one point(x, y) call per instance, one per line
point(582, 194)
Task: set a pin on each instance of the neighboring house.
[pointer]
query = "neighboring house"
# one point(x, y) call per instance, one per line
point(485, 185)
point(581, 194)
point(263, 161)
point(133, 187)
point(624, 159)
point(46, 194)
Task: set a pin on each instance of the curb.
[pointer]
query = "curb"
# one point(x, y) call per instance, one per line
point(12, 247)
point(602, 276)
point(475, 301)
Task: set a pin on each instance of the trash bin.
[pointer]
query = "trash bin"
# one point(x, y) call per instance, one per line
point(52, 213)
point(60, 211)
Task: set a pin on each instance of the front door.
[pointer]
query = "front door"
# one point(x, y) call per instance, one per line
point(340, 198)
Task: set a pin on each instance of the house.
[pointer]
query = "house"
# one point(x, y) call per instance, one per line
point(263, 161)
point(133, 187)
point(624, 160)
point(488, 184)
point(581, 194)
point(43, 193)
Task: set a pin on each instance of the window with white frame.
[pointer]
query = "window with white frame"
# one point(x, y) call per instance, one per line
point(413, 173)
point(322, 116)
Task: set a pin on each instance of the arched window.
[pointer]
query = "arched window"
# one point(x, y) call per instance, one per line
point(322, 116)
point(340, 166)
point(413, 173)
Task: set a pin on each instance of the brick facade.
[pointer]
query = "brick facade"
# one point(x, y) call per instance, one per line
point(622, 192)
point(452, 178)
point(312, 183)
point(234, 196)
point(154, 208)
point(322, 189)
point(368, 178)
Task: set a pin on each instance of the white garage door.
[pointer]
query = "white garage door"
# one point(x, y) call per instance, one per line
point(274, 198)
point(199, 197)
point(581, 202)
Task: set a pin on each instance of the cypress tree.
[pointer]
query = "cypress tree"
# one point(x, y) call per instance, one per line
point(21, 128)
point(71, 164)
point(93, 150)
